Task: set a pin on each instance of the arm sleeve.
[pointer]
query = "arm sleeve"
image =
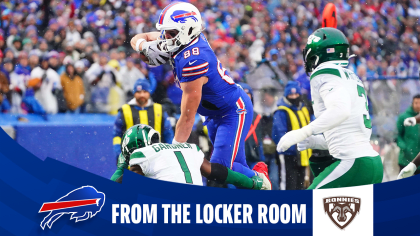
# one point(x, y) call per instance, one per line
point(117, 174)
point(168, 132)
point(279, 126)
point(120, 170)
point(337, 102)
point(401, 130)
point(193, 69)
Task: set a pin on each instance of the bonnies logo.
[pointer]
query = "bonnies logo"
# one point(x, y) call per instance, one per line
point(342, 210)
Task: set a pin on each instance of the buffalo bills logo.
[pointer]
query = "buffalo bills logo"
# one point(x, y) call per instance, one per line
point(82, 203)
point(180, 16)
point(241, 111)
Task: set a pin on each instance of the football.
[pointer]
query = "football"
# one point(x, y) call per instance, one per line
point(144, 58)
point(156, 55)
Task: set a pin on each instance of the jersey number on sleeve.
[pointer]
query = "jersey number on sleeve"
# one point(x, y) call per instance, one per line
point(184, 167)
point(361, 92)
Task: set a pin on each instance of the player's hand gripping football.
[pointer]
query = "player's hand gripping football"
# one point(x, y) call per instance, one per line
point(411, 121)
point(154, 54)
point(407, 171)
point(293, 137)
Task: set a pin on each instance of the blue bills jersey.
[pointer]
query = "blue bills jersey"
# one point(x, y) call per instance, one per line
point(227, 107)
point(220, 94)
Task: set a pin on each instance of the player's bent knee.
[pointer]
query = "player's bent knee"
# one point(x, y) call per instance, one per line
point(218, 172)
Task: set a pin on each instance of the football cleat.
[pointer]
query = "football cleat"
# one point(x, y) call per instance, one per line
point(262, 170)
point(258, 182)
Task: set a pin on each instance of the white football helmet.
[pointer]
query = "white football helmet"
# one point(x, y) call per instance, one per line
point(180, 16)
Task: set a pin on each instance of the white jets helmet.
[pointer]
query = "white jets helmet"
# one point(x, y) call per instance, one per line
point(180, 16)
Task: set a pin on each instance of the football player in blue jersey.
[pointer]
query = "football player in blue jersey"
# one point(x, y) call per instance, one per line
point(207, 87)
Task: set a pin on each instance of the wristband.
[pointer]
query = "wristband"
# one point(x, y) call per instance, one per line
point(174, 141)
point(138, 44)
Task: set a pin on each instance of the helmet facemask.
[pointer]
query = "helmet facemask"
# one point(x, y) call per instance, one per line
point(184, 37)
point(171, 44)
point(311, 62)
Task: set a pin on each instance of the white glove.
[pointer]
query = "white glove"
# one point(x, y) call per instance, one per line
point(410, 121)
point(154, 54)
point(293, 137)
point(305, 144)
point(407, 171)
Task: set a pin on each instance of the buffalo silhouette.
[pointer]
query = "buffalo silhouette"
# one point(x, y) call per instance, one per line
point(79, 213)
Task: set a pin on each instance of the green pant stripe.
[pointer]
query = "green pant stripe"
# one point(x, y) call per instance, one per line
point(339, 171)
point(352, 172)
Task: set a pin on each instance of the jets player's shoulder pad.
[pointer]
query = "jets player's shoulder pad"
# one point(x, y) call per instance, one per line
point(329, 69)
point(137, 154)
point(198, 148)
point(193, 69)
point(138, 157)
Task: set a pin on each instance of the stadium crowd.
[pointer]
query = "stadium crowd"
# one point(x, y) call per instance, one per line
point(74, 56)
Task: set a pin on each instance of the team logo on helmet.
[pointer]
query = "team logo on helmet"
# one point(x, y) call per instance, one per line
point(342, 210)
point(313, 38)
point(129, 131)
point(180, 16)
point(125, 143)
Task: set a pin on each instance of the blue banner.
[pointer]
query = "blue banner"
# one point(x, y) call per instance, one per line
point(49, 197)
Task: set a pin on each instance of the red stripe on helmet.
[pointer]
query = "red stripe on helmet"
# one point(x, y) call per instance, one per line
point(162, 15)
point(185, 14)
